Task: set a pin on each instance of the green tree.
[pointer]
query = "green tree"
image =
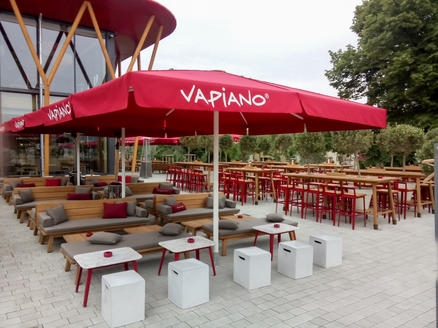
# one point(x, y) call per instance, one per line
point(386, 140)
point(354, 142)
point(310, 146)
point(206, 142)
point(282, 144)
point(248, 146)
point(190, 142)
point(395, 63)
point(225, 144)
point(263, 145)
point(408, 139)
point(426, 151)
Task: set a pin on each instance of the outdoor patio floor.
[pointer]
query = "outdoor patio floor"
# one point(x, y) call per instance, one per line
point(387, 279)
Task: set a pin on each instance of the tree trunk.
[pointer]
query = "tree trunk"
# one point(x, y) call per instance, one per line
point(404, 161)
point(392, 160)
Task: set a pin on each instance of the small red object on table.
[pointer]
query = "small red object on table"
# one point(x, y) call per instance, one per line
point(190, 240)
point(240, 216)
point(89, 234)
point(108, 254)
point(276, 225)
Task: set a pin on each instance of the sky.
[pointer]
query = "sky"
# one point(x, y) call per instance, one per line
point(280, 41)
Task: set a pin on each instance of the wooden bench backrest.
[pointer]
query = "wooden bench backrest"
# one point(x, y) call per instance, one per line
point(143, 187)
point(82, 209)
point(48, 193)
point(101, 178)
point(195, 200)
point(38, 181)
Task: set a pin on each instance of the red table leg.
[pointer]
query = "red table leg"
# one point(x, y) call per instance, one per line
point(87, 286)
point(162, 259)
point(255, 238)
point(271, 245)
point(197, 254)
point(134, 265)
point(78, 280)
point(212, 261)
point(126, 266)
point(279, 238)
point(176, 256)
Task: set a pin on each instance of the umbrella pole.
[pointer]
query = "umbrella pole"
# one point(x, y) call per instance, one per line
point(78, 158)
point(216, 182)
point(123, 164)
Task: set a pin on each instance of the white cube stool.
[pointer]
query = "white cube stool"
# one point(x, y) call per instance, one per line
point(295, 259)
point(188, 283)
point(252, 267)
point(123, 298)
point(327, 250)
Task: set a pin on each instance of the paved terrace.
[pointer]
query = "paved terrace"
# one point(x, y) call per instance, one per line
point(387, 280)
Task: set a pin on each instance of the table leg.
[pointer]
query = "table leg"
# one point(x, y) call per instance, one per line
point(255, 238)
point(87, 286)
point(197, 254)
point(271, 245)
point(274, 195)
point(418, 185)
point(391, 204)
point(212, 261)
point(375, 214)
point(176, 256)
point(256, 188)
point(126, 266)
point(78, 277)
point(432, 197)
point(162, 259)
point(134, 265)
point(292, 235)
point(279, 238)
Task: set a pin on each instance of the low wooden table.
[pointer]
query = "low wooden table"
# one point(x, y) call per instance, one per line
point(193, 226)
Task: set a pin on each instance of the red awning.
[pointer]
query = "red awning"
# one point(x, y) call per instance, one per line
point(178, 103)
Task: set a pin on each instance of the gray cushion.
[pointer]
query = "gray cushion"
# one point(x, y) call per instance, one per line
point(171, 229)
point(176, 190)
point(64, 181)
point(26, 196)
point(137, 241)
point(104, 238)
point(95, 195)
point(230, 203)
point(164, 209)
point(149, 204)
point(18, 201)
point(141, 212)
point(274, 217)
point(228, 225)
point(165, 186)
point(222, 201)
point(134, 179)
point(45, 221)
point(7, 187)
point(245, 226)
point(196, 212)
point(170, 201)
point(57, 213)
point(83, 190)
point(93, 223)
point(128, 191)
point(15, 183)
point(130, 207)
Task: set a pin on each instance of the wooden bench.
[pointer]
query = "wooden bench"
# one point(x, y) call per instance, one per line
point(191, 201)
point(45, 193)
point(79, 210)
point(38, 181)
point(101, 178)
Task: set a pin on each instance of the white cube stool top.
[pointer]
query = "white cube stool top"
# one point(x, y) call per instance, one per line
point(295, 259)
point(123, 298)
point(252, 267)
point(188, 283)
point(327, 250)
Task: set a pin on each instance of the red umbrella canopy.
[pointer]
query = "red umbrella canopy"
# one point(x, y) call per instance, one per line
point(153, 141)
point(178, 103)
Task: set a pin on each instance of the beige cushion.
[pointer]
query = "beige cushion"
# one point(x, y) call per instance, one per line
point(57, 213)
point(274, 217)
point(27, 196)
point(105, 238)
point(171, 229)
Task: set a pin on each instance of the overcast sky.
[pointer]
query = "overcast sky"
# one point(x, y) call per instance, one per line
point(281, 41)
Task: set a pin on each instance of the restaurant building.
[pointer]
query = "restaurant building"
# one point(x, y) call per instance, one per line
point(50, 49)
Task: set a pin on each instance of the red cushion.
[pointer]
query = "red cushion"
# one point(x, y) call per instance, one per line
point(162, 191)
point(25, 185)
point(178, 207)
point(127, 178)
point(53, 182)
point(100, 184)
point(114, 210)
point(73, 196)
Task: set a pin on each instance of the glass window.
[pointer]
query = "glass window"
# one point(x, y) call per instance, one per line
point(17, 67)
point(16, 104)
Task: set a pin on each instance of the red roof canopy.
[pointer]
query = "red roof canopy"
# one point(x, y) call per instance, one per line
point(126, 18)
point(178, 103)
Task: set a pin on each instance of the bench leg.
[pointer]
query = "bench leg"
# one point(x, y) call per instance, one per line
point(50, 244)
point(42, 239)
point(224, 247)
point(35, 229)
point(67, 265)
point(22, 216)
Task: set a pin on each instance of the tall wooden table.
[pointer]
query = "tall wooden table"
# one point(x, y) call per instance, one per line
point(256, 171)
point(371, 180)
point(399, 174)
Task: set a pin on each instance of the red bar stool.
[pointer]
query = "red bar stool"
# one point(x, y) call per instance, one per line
point(349, 198)
point(314, 192)
point(330, 200)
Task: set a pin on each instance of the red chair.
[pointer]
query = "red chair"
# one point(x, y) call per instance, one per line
point(314, 199)
point(348, 199)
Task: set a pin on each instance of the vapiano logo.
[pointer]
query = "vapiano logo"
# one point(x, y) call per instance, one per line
point(227, 98)
point(19, 124)
point(59, 112)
